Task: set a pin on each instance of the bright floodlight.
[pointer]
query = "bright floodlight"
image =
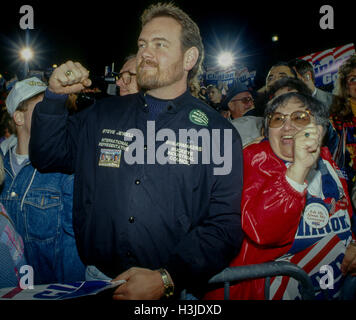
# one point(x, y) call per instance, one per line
point(225, 59)
point(275, 38)
point(26, 54)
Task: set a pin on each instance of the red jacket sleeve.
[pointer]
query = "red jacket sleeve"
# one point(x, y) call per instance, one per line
point(271, 207)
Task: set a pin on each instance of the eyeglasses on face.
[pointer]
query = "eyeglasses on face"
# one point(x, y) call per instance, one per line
point(298, 118)
point(244, 100)
point(126, 76)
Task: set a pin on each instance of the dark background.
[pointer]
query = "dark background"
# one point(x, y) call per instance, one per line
point(97, 33)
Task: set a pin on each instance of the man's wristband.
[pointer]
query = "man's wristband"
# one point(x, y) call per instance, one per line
point(168, 284)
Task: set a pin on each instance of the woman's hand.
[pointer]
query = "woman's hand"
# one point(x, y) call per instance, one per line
point(307, 143)
point(349, 262)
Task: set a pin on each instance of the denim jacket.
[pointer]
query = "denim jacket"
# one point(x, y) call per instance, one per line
point(40, 205)
point(12, 256)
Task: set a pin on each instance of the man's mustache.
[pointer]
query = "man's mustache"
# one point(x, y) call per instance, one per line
point(148, 63)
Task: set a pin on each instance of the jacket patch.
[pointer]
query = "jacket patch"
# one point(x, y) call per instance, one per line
point(110, 158)
point(198, 117)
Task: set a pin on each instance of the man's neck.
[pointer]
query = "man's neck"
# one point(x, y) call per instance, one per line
point(312, 87)
point(169, 92)
point(22, 144)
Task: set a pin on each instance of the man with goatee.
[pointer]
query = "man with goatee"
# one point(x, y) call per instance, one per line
point(160, 213)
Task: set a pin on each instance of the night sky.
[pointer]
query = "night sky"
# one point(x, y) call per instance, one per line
point(97, 33)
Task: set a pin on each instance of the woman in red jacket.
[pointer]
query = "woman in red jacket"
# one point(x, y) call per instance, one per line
point(295, 205)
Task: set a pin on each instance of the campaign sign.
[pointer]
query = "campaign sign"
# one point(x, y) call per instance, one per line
point(58, 291)
point(326, 64)
point(224, 78)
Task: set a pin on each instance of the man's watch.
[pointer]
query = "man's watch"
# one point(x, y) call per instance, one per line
point(168, 284)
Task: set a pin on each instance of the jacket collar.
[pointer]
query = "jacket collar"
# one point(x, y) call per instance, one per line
point(175, 104)
point(7, 144)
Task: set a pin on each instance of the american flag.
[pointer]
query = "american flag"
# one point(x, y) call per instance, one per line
point(336, 53)
point(327, 62)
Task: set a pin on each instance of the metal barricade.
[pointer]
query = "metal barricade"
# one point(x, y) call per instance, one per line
point(265, 270)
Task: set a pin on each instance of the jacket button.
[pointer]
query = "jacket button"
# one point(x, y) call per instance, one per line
point(13, 194)
point(132, 219)
point(169, 108)
point(145, 147)
point(137, 182)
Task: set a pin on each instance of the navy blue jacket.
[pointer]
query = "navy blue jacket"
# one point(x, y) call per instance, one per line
point(178, 216)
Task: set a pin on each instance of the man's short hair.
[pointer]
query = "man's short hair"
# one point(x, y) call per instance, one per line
point(290, 83)
point(285, 64)
point(302, 67)
point(190, 36)
point(211, 87)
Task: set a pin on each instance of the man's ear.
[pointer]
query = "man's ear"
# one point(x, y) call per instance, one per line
point(230, 106)
point(307, 76)
point(190, 58)
point(19, 118)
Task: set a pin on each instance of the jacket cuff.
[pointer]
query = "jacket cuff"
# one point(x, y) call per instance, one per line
point(297, 186)
point(179, 273)
point(52, 103)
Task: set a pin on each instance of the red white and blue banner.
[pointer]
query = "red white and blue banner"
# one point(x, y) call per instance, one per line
point(326, 63)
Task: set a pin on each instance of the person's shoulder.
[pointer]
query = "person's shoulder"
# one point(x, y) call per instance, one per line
point(323, 93)
point(108, 107)
point(199, 110)
point(254, 149)
point(325, 153)
point(248, 120)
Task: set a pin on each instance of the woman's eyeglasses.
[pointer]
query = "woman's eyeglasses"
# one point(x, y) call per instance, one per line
point(298, 118)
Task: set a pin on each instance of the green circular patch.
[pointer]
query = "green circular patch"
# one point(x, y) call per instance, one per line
point(198, 117)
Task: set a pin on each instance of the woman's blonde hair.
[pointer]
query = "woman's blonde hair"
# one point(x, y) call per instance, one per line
point(341, 105)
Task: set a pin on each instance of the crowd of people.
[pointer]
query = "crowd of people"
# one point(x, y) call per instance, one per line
point(75, 206)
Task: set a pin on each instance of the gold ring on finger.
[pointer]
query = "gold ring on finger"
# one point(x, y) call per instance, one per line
point(68, 73)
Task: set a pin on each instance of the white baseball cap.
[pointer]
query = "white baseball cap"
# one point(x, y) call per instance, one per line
point(22, 91)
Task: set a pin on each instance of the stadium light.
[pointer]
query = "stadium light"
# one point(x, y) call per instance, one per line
point(225, 59)
point(275, 38)
point(26, 54)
